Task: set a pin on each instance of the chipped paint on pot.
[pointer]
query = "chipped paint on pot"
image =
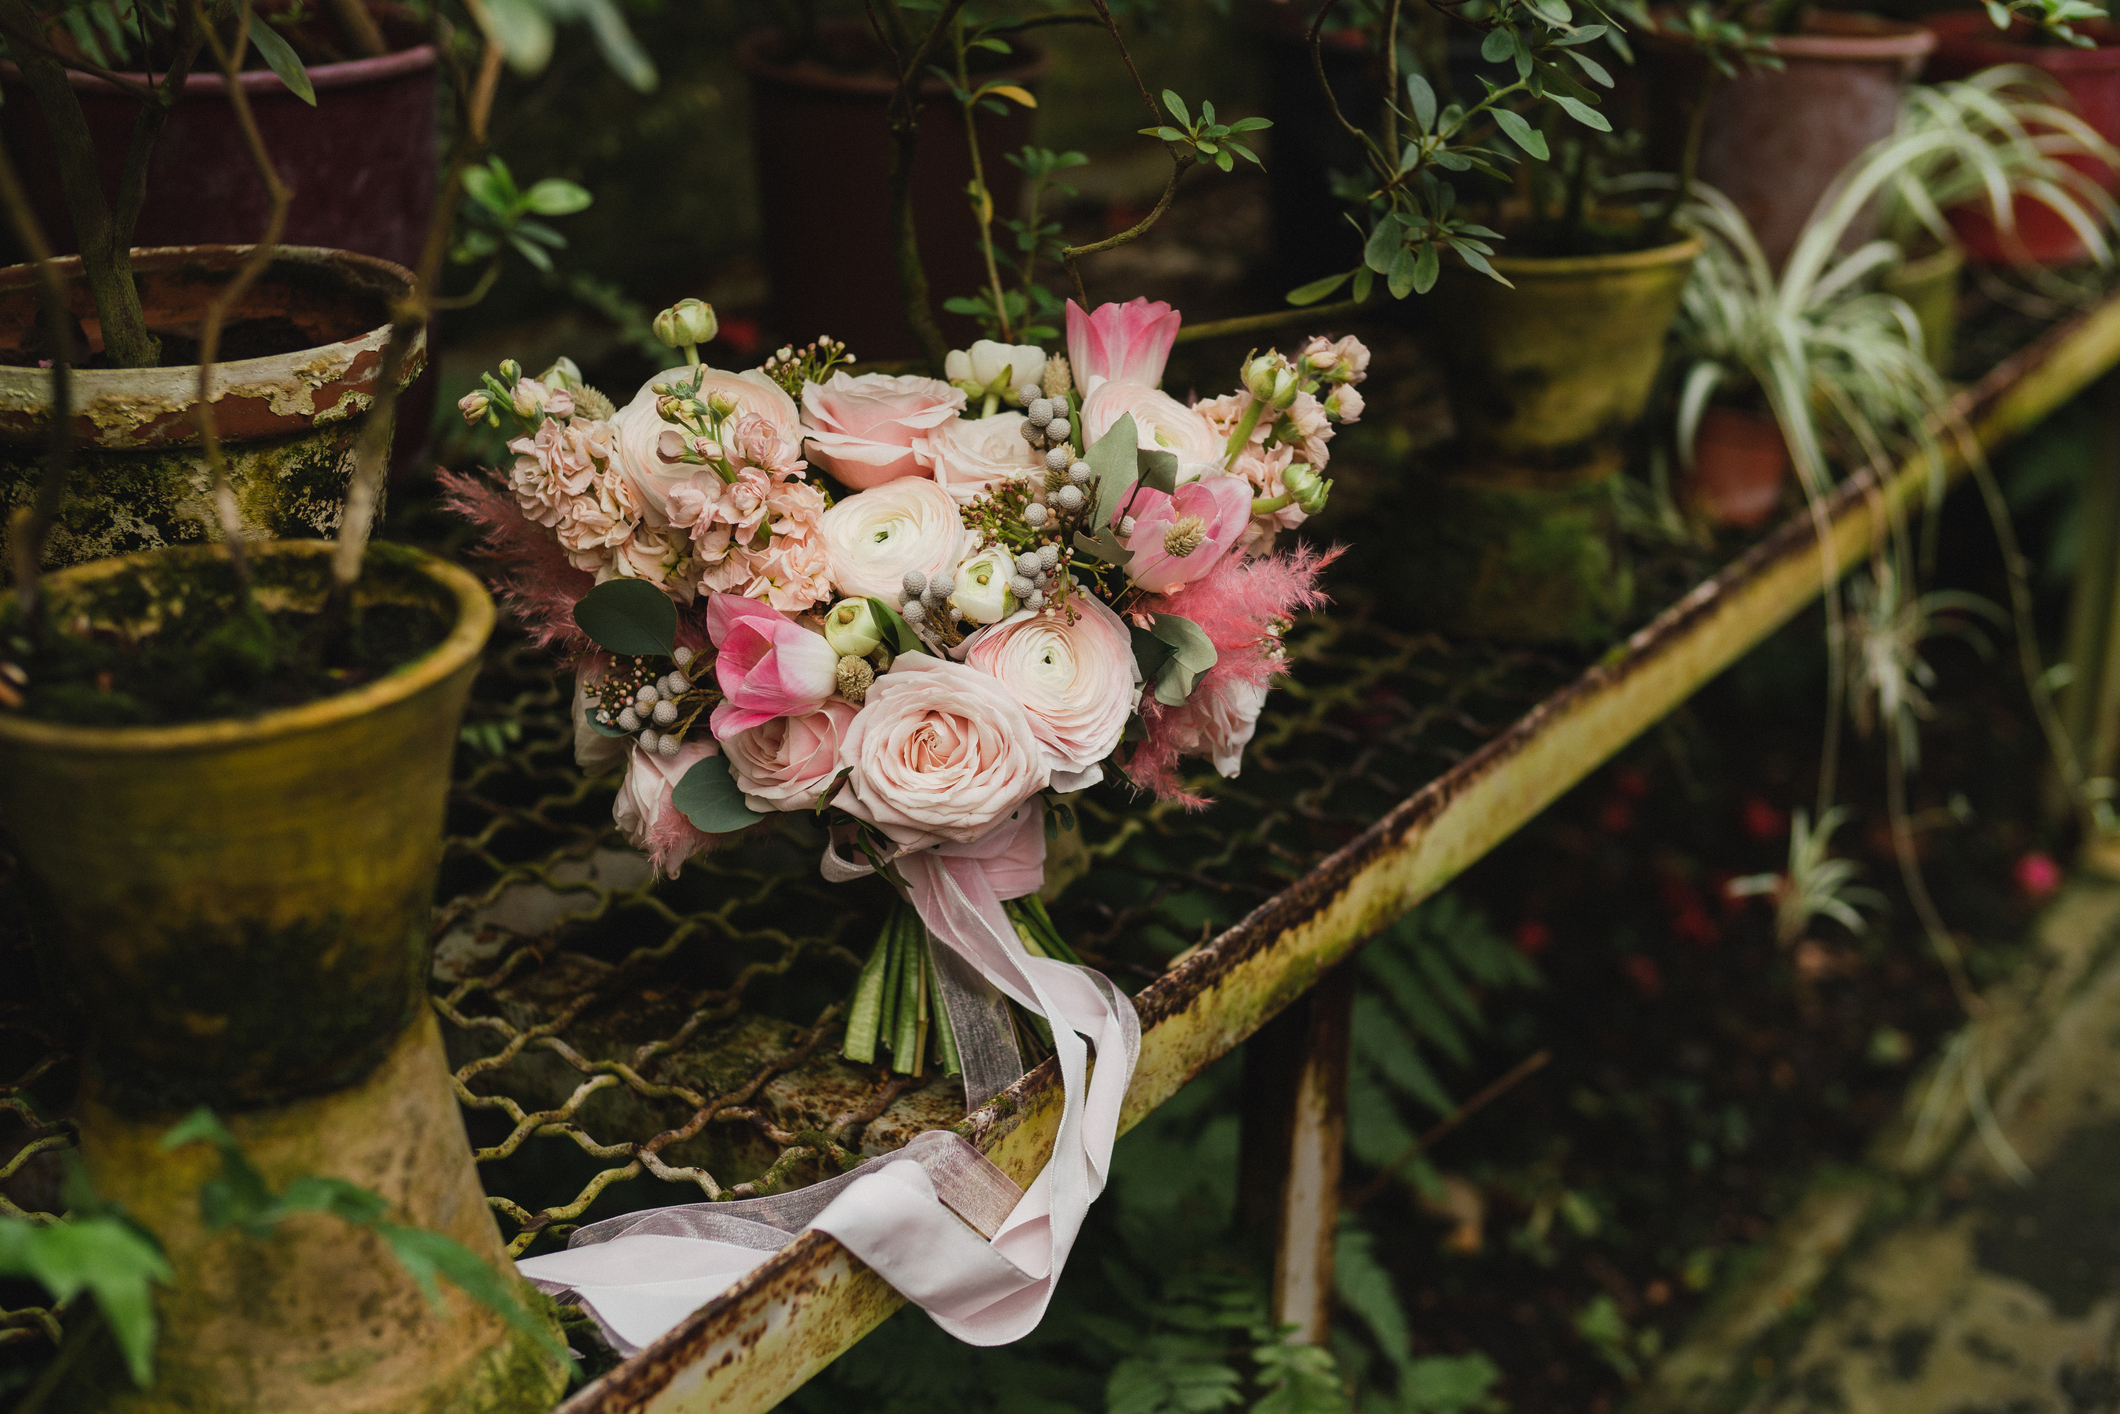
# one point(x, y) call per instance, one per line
point(287, 421)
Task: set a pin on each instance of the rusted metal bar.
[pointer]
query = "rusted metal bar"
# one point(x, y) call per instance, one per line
point(747, 1349)
point(1295, 1133)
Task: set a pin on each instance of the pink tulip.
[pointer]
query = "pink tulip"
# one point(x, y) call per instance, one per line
point(1127, 343)
point(767, 665)
point(1216, 508)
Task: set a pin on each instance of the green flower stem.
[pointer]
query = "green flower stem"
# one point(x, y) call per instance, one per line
point(866, 1010)
point(1243, 431)
point(1267, 505)
point(912, 980)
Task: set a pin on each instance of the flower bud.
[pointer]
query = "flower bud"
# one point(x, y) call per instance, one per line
point(1285, 387)
point(530, 398)
point(722, 404)
point(510, 370)
point(562, 374)
point(982, 594)
point(668, 407)
point(1258, 376)
point(687, 323)
point(1306, 488)
point(473, 406)
point(851, 628)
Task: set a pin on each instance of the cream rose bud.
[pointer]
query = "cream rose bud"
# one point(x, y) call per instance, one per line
point(784, 763)
point(996, 367)
point(851, 628)
point(1076, 677)
point(872, 538)
point(938, 753)
point(982, 593)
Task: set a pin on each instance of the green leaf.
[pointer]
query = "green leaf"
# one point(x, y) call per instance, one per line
point(1364, 280)
point(1522, 133)
point(1583, 113)
point(1423, 99)
point(1192, 653)
point(1448, 1384)
point(1176, 105)
point(1115, 464)
point(553, 197)
point(531, 252)
point(710, 800)
point(1497, 46)
point(522, 30)
point(898, 635)
point(1383, 244)
point(1250, 125)
point(1426, 269)
point(1597, 72)
point(425, 1254)
point(485, 187)
point(1317, 289)
point(279, 55)
point(1159, 471)
point(1104, 545)
point(620, 50)
point(629, 617)
point(1403, 267)
point(1150, 653)
point(105, 1256)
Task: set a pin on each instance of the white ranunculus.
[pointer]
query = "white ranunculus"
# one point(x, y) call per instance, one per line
point(873, 537)
point(972, 454)
point(1001, 367)
point(982, 586)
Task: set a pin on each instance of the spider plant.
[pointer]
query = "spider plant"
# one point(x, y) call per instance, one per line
point(1816, 884)
point(1886, 630)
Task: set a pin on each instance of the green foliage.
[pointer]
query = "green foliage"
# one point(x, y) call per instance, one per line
point(500, 212)
point(629, 617)
point(709, 797)
point(1209, 1345)
point(525, 29)
point(96, 1250)
point(1601, 1325)
point(1209, 140)
point(1173, 654)
point(2051, 16)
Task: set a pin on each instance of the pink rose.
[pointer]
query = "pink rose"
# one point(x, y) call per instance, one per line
point(1161, 422)
point(1206, 518)
point(972, 454)
point(784, 763)
point(1218, 720)
point(873, 538)
point(767, 665)
point(939, 752)
point(645, 813)
point(1077, 680)
point(1127, 343)
point(874, 428)
point(650, 449)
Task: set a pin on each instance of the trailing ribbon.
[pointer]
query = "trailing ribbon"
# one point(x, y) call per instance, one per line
point(924, 1218)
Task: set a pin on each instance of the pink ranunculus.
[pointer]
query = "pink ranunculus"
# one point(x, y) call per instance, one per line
point(874, 537)
point(784, 763)
point(650, 450)
point(645, 812)
point(874, 428)
point(1075, 674)
point(1161, 422)
point(939, 752)
point(766, 664)
point(973, 454)
point(1126, 343)
point(1216, 508)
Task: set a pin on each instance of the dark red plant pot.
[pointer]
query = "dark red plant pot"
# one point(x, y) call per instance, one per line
point(1740, 466)
point(823, 150)
point(1969, 42)
point(1776, 138)
point(361, 162)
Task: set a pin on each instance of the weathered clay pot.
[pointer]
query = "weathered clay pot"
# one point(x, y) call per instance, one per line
point(1740, 465)
point(1776, 138)
point(1969, 42)
point(828, 241)
point(287, 421)
point(240, 908)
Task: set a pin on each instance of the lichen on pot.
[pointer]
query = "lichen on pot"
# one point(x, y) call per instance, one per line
point(317, 325)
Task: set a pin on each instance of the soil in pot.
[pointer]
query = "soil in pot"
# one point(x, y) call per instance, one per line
point(287, 419)
point(827, 243)
point(1967, 43)
point(239, 907)
point(1740, 468)
point(1775, 139)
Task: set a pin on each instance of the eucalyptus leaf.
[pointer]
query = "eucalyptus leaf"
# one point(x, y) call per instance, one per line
point(710, 800)
point(1159, 471)
point(898, 635)
point(1192, 653)
point(629, 617)
point(1114, 463)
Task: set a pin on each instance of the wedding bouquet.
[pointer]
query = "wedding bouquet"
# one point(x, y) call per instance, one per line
point(1043, 568)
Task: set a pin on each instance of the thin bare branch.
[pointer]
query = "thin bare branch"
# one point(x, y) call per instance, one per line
point(1259, 323)
point(33, 522)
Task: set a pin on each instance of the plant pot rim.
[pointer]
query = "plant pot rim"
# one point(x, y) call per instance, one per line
point(1971, 32)
point(754, 51)
point(152, 407)
point(347, 73)
point(1558, 267)
point(1837, 36)
point(474, 622)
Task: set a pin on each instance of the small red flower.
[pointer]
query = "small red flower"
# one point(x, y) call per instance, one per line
point(1762, 821)
point(2036, 874)
point(1533, 937)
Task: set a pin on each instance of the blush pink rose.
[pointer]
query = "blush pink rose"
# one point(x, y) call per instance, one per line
point(767, 665)
point(645, 813)
point(1077, 679)
point(939, 753)
point(1127, 343)
point(1217, 507)
point(1218, 720)
point(874, 428)
point(650, 449)
point(1161, 422)
point(973, 454)
point(784, 763)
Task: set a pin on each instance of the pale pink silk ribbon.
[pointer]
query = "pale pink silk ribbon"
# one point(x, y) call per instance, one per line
point(639, 1275)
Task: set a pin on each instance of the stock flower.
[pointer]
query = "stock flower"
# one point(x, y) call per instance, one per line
point(971, 454)
point(873, 429)
point(766, 664)
point(599, 521)
point(1204, 519)
point(1126, 343)
point(1001, 367)
point(873, 538)
point(761, 442)
point(1161, 422)
point(1075, 676)
point(1344, 404)
point(556, 464)
point(939, 752)
point(661, 557)
point(784, 763)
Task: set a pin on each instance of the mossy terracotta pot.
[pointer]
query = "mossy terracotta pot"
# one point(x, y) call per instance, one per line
point(302, 357)
point(240, 909)
point(1740, 469)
